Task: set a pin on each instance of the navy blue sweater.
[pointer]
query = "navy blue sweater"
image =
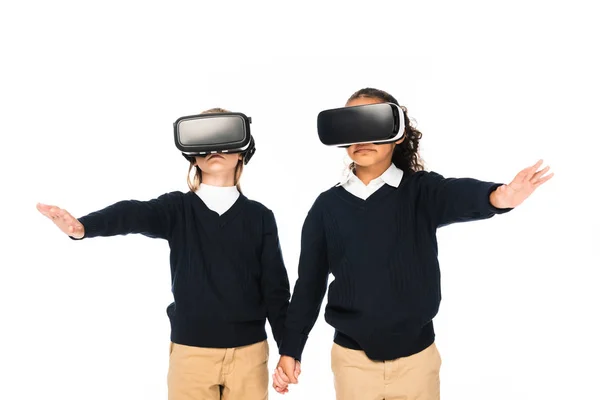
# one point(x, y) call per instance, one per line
point(227, 271)
point(382, 252)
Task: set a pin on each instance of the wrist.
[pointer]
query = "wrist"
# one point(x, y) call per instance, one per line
point(494, 198)
point(292, 344)
point(498, 200)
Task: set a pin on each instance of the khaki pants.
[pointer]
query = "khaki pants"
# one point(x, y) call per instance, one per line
point(197, 373)
point(356, 377)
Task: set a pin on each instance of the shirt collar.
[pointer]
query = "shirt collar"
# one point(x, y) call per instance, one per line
point(392, 176)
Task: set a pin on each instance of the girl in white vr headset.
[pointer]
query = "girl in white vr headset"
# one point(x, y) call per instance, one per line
point(227, 275)
point(376, 233)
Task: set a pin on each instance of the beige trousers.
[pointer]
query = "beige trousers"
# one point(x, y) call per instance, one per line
point(197, 373)
point(356, 377)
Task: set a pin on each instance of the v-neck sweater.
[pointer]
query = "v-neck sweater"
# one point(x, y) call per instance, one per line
point(227, 271)
point(382, 253)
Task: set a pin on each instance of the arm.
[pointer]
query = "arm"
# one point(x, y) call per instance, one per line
point(274, 280)
point(313, 272)
point(459, 200)
point(452, 200)
point(152, 218)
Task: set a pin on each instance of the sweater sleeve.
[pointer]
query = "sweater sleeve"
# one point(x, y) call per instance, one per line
point(310, 288)
point(153, 218)
point(274, 279)
point(452, 200)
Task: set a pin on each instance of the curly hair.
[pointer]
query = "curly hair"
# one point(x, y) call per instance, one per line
point(406, 154)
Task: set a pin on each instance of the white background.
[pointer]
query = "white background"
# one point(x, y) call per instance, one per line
point(89, 92)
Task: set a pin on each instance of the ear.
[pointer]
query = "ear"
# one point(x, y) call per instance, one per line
point(401, 139)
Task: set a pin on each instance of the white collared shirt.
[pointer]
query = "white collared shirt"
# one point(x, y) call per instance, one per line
point(218, 198)
point(392, 176)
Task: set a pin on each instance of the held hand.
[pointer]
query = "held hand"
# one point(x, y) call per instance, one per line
point(524, 184)
point(61, 218)
point(288, 370)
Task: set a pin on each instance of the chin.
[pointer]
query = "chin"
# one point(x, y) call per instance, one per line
point(364, 162)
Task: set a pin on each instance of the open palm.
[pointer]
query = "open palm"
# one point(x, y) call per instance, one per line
point(63, 220)
point(521, 187)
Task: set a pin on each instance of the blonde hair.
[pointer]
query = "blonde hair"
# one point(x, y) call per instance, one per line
point(195, 180)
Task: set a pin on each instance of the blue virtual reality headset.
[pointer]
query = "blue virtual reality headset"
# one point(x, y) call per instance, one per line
point(371, 123)
point(203, 134)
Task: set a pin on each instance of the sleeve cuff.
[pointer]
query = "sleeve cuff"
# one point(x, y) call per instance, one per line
point(91, 227)
point(85, 223)
point(292, 344)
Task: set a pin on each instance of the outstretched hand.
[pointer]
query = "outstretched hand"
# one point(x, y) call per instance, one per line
point(524, 184)
point(61, 218)
point(287, 371)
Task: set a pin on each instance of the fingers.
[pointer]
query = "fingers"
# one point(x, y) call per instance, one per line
point(543, 180)
point(280, 382)
point(297, 370)
point(532, 170)
point(53, 212)
point(538, 178)
point(537, 164)
point(540, 173)
point(531, 174)
point(286, 373)
point(67, 218)
point(42, 207)
point(287, 365)
point(281, 376)
point(291, 376)
point(59, 215)
point(281, 390)
point(47, 210)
